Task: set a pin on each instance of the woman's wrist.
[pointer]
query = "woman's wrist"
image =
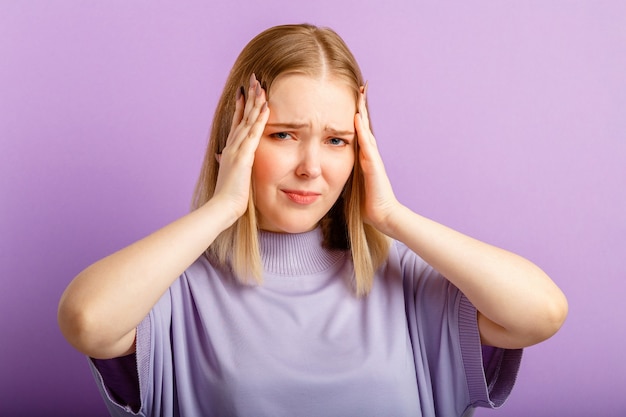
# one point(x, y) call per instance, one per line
point(220, 213)
point(393, 223)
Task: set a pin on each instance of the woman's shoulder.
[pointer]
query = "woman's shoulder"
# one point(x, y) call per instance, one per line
point(401, 254)
point(408, 265)
point(203, 267)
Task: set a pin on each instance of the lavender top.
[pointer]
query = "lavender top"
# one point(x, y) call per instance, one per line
point(303, 344)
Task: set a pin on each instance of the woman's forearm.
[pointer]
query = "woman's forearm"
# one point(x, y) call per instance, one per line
point(102, 306)
point(518, 303)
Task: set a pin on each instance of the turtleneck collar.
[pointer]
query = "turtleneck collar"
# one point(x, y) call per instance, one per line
point(296, 253)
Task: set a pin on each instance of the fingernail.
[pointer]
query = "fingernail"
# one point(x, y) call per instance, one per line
point(264, 107)
point(252, 80)
point(259, 90)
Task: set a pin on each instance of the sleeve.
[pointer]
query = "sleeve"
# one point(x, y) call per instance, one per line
point(491, 372)
point(121, 380)
point(133, 385)
point(455, 373)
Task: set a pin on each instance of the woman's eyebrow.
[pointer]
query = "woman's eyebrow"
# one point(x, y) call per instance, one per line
point(336, 132)
point(297, 126)
point(293, 126)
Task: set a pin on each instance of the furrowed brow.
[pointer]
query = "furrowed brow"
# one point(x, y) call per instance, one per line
point(336, 132)
point(298, 126)
point(288, 126)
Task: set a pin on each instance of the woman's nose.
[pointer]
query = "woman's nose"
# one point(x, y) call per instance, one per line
point(309, 165)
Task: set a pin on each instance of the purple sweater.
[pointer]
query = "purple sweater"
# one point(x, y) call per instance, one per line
point(303, 344)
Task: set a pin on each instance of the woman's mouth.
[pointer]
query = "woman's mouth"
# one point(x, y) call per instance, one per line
point(301, 197)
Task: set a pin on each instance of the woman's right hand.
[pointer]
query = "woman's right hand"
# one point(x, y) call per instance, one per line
point(101, 308)
point(233, 182)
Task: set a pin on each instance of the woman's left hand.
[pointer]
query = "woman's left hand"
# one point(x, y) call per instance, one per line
point(518, 304)
point(380, 201)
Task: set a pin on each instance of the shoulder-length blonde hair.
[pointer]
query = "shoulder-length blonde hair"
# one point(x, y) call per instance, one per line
point(313, 51)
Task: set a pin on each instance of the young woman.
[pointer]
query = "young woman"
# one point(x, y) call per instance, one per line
point(299, 285)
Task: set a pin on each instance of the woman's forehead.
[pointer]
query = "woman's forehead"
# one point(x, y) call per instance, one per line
point(306, 100)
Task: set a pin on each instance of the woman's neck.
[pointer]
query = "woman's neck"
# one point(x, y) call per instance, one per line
point(296, 253)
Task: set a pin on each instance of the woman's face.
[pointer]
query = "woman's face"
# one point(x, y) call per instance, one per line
point(306, 154)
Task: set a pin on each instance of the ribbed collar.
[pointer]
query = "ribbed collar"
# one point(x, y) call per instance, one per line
point(296, 253)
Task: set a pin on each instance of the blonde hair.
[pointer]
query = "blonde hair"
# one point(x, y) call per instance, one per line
point(313, 51)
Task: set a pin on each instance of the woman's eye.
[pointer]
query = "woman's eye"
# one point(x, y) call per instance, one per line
point(337, 141)
point(281, 135)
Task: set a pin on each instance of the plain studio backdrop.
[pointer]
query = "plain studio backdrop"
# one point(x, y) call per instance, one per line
point(505, 120)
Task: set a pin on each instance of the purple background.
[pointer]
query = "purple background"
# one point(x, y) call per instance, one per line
point(506, 121)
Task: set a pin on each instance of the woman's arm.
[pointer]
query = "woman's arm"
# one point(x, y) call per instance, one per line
point(518, 303)
point(102, 306)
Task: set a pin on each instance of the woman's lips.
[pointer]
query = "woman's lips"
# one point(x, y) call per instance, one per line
point(302, 197)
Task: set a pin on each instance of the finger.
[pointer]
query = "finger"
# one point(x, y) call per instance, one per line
point(363, 104)
point(361, 132)
point(251, 116)
point(365, 135)
point(253, 123)
point(255, 100)
point(254, 91)
point(251, 140)
point(238, 114)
